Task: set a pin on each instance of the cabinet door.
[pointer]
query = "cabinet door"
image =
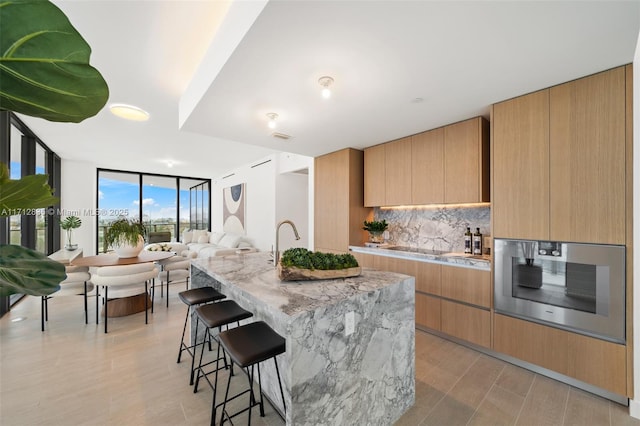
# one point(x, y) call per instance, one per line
point(465, 150)
point(534, 343)
point(331, 201)
point(520, 164)
point(466, 322)
point(428, 278)
point(467, 285)
point(587, 161)
point(427, 167)
point(374, 176)
point(427, 311)
point(398, 172)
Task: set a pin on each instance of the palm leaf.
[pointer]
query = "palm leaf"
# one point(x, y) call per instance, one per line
point(44, 64)
point(25, 271)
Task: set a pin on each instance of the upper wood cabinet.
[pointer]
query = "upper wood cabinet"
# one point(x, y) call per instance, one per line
point(427, 167)
point(444, 165)
point(339, 210)
point(587, 157)
point(398, 171)
point(559, 162)
point(374, 176)
point(466, 161)
point(520, 167)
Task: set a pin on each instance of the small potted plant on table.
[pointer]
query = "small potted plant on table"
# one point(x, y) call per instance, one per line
point(376, 230)
point(69, 224)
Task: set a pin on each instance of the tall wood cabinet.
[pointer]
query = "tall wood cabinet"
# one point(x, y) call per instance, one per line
point(445, 165)
point(559, 162)
point(339, 211)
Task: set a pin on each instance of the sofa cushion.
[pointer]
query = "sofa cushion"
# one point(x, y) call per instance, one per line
point(187, 237)
point(203, 239)
point(230, 240)
point(215, 237)
point(197, 233)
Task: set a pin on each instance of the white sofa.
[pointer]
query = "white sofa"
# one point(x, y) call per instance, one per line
point(202, 243)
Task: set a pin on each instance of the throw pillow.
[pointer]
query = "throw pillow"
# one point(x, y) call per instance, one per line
point(187, 237)
point(230, 240)
point(216, 237)
point(203, 239)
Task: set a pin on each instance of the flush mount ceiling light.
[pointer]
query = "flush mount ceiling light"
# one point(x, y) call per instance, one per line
point(272, 116)
point(129, 112)
point(325, 82)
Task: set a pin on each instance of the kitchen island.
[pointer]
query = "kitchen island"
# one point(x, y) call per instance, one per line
point(329, 378)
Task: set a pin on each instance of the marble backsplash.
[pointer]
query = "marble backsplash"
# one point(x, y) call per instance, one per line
point(434, 227)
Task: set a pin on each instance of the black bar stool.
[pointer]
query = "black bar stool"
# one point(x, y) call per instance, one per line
point(247, 346)
point(194, 297)
point(216, 315)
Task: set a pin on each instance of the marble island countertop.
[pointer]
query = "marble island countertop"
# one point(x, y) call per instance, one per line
point(256, 276)
point(424, 255)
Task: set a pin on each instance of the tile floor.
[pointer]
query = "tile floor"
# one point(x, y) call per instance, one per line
point(74, 374)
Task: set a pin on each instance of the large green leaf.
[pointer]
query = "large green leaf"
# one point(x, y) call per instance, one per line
point(20, 195)
point(44, 64)
point(25, 271)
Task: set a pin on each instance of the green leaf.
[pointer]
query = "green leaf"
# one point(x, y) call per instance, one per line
point(44, 64)
point(26, 271)
point(30, 192)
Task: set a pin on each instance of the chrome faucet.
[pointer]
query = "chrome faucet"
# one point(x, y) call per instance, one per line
point(276, 254)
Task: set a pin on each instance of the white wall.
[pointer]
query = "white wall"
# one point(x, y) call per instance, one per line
point(78, 189)
point(270, 182)
point(634, 404)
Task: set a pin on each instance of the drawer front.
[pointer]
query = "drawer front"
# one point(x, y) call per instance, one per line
point(466, 322)
point(467, 285)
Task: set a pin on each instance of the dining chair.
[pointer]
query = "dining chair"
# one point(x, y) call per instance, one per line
point(76, 283)
point(173, 269)
point(123, 281)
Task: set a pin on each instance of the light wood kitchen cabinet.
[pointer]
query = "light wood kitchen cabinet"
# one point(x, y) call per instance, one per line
point(428, 311)
point(520, 167)
point(429, 278)
point(593, 361)
point(466, 322)
point(374, 176)
point(587, 173)
point(444, 165)
point(427, 167)
point(398, 172)
point(559, 162)
point(339, 211)
point(467, 285)
point(466, 161)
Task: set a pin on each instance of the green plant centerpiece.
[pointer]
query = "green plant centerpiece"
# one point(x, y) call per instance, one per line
point(300, 264)
point(69, 224)
point(126, 237)
point(376, 230)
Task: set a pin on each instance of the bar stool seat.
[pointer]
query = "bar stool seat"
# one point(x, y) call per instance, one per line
point(248, 346)
point(193, 297)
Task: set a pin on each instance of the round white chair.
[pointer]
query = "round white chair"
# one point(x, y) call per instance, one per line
point(173, 269)
point(123, 281)
point(76, 283)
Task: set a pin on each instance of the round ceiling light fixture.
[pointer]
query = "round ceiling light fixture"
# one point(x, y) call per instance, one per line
point(325, 82)
point(272, 119)
point(129, 112)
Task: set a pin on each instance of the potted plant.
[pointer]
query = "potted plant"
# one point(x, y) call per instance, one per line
point(69, 224)
point(126, 237)
point(376, 230)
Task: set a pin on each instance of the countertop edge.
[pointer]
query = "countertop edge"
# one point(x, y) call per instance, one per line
point(450, 260)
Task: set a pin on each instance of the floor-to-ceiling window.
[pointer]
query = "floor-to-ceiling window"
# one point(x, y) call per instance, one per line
point(162, 202)
point(26, 154)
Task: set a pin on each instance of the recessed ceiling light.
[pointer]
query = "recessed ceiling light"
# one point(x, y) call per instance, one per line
point(417, 100)
point(129, 112)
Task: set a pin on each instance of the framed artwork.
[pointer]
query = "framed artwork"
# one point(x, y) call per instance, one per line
point(233, 205)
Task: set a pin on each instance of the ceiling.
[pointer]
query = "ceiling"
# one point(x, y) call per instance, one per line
point(208, 72)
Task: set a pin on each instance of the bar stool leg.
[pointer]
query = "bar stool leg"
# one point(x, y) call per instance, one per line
point(184, 329)
point(193, 358)
point(284, 404)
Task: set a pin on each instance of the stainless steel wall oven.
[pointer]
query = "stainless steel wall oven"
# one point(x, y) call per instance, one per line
point(577, 287)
